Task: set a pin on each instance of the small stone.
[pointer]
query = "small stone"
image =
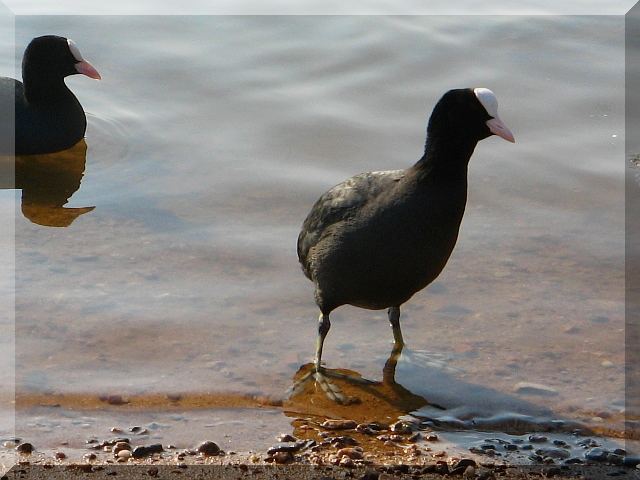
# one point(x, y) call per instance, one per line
point(537, 438)
point(403, 428)
point(558, 453)
point(60, 455)
point(342, 441)
point(339, 424)
point(596, 454)
point(89, 457)
point(145, 451)
point(574, 461)
point(354, 453)
point(118, 447)
point(510, 447)
point(285, 447)
point(25, 448)
point(431, 437)
point(283, 457)
point(529, 388)
point(285, 437)
point(461, 466)
point(209, 448)
point(116, 430)
point(124, 454)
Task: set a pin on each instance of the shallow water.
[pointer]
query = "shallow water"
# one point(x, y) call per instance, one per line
point(209, 139)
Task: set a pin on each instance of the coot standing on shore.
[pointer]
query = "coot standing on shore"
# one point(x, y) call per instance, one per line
point(48, 116)
point(376, 239)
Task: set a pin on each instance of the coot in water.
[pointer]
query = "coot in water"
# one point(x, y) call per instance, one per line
point(376, 239)
point(48, 117)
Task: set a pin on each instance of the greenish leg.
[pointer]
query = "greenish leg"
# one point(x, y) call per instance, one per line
point(323, 328)
point(389, 370)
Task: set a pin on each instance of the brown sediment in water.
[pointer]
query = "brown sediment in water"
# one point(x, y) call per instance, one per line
point(153, 401)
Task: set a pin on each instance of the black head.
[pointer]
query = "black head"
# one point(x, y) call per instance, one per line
point(51, 58)
point(467, 114)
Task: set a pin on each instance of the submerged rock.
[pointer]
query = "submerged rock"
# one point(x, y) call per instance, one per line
point(339, 424)
point(209, 448)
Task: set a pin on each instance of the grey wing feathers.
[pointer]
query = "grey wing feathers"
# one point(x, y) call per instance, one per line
point(341, 203)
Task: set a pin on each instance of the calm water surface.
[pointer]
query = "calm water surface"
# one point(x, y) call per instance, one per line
point(210, 138)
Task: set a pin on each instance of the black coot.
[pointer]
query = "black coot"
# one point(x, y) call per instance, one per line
point(48, 116)
point(376, 239)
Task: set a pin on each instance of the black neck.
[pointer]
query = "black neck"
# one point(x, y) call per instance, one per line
point(445, 156)
point(44, 89)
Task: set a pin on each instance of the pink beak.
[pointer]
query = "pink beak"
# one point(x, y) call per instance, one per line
point(87, 69)
point(500, 129)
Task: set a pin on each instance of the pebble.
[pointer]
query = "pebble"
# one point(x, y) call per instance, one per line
point(25, 448)
point(144, 451)
point(89, 457)
point(596, 454)
point(285, 437)
point(282, 457)
point(354, 453)
point(431, 437)
point(60, 455)
point(124, 454)
point(550, 452)
point(285, 447)
point(118, 447)
point(461, 466)
point(209, 448)
point(116, 430)
point(403, 428)
point(537, 438)
point(587, 443)
point(339, 424)
point(342, 441)
point(390, 438)
point(529, 388)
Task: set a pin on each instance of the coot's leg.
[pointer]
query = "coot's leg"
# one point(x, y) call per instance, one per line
point(394, 320)
point(323, 328)
point(389, 370)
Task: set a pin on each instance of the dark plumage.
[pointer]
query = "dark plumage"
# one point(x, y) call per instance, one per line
point(376, 239)
point(48, 116)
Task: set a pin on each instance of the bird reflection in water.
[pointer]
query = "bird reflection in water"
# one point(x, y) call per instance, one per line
point(47, 182)
point(352, 396)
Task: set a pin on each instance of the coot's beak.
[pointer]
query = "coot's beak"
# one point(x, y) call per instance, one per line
point(87, 69)
point(500, 129)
